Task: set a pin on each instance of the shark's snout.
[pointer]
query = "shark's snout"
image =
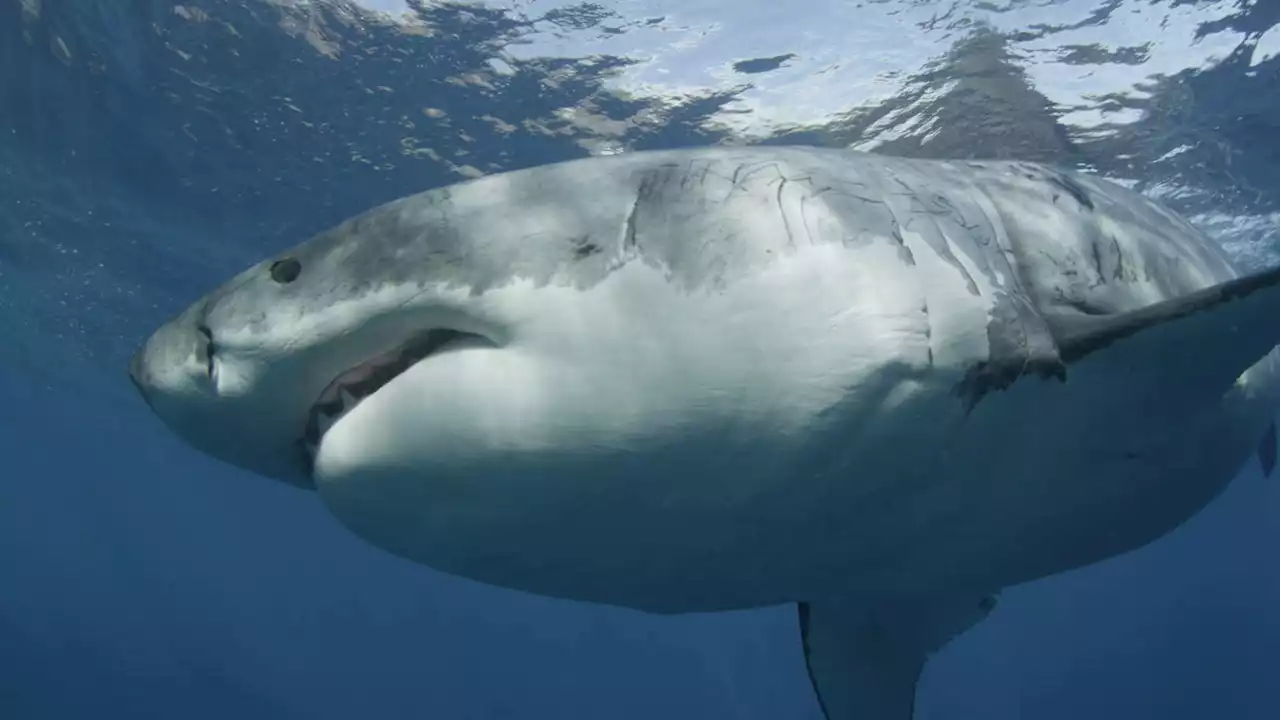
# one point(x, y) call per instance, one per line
point(175, 354)
point(175, 373)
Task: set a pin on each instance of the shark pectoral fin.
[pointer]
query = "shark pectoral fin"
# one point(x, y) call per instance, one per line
point(1267, 450)
point(865, 665)
point(1208, 337)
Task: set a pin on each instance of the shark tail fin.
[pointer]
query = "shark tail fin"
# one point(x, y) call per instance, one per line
point(865, 665)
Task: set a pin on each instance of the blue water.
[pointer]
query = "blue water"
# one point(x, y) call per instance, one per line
point(148, 150)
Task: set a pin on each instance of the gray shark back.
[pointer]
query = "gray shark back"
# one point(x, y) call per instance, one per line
point(583, 219)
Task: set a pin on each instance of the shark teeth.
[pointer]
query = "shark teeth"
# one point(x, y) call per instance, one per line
point(325, 421)
point(348, 400)
point(351, 387)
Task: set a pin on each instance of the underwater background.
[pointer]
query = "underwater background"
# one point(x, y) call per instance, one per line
point(150, 149)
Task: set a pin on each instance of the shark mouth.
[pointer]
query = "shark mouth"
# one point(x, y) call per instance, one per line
point(348, 389)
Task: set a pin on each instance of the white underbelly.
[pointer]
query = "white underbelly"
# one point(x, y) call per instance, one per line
point(1036, 480)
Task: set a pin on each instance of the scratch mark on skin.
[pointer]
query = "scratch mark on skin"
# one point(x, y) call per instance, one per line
point(741, 177)
point(782, 210)
point(808, 180)
point(906, 189)
point(1120, 266)
point(903, 251)
point(744, 172)
point(804, 217)
point(944, 252)
point(702, 174)
point(870, 201)
point(941, 206)
point(1074, 190)
point(629, 237)
point(928, 328)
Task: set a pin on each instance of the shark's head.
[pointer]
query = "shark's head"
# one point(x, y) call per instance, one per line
point(256, 372)
point(428, 294)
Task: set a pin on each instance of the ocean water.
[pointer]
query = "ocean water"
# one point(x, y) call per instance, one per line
point(150, 149)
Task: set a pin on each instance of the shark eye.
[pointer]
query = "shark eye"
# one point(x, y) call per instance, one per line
point(285, 271)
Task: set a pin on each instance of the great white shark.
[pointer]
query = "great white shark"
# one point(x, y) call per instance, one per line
point(878, 388)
